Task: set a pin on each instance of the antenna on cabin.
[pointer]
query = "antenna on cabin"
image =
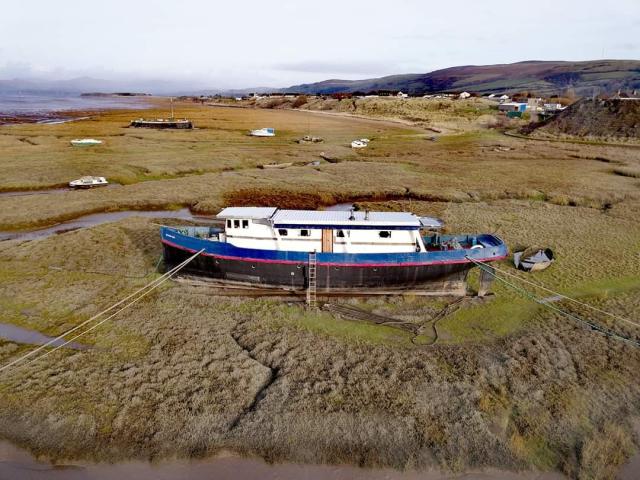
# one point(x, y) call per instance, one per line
point(366, 214)
point(351, 215)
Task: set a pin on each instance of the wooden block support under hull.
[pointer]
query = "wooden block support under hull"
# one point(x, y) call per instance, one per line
point(457, 288)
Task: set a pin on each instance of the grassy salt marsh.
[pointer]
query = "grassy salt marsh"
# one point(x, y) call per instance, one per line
point(185, 373)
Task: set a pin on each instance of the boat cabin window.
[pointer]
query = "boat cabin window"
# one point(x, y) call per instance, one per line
point(283, 232)
point(236, 224)
point(228, 223)
point(304, 233)
point(340, 234)
point(245, 223)
point(385, 234)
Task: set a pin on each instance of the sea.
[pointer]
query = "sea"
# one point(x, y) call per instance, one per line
point(42, 106)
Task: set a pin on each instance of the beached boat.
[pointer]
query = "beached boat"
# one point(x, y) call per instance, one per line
point(363, 142)
point(277, 165)
point(161, 123)
point(533, 259)
point(88, 182)
point(85, 142)
point(269, 247)
point(263, 132)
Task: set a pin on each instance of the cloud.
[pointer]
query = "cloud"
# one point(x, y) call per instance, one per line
point(329, 67)
point(628, 46)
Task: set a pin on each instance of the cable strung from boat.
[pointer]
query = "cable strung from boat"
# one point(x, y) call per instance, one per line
point(542, 287)
point(593, 326)
point(149, 287)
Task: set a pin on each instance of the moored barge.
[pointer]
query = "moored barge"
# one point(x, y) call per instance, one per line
point(350, 250)
point(176, 123)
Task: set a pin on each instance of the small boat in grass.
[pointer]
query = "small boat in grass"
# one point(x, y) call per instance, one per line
point(88, 182)
point(263, 132)
point(269, 247)
point(276, 165)
point(533, 259)
point(363, 142)
point(162, 123)
point(85, 142)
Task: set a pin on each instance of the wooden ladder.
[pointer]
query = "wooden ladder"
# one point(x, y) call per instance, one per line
point(312, 285)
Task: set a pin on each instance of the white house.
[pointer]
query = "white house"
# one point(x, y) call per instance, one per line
point(464, 95)
point(402, 95)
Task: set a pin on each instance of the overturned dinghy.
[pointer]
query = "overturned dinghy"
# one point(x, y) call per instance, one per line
point(533, 259)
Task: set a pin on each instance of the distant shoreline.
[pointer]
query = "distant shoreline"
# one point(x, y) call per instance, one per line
point(54, 109)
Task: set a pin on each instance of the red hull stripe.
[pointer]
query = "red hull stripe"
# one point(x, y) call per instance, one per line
point(337, 264)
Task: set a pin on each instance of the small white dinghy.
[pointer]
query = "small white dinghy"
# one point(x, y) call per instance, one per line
point(263, 132)
point(88, 182)
point(363, 142)
point(85, 142)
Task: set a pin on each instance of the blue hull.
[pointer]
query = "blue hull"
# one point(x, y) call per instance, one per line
point(288, 269)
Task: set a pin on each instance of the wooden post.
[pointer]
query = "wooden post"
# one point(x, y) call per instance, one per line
point(486, 279)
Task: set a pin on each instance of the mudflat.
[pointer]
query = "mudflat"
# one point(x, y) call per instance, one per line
point(508, 384)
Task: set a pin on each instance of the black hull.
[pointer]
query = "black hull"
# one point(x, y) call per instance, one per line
point(449, 277)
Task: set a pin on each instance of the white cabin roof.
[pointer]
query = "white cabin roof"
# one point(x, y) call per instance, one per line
point(338, 217)
point(247, 212)
point(330, 217)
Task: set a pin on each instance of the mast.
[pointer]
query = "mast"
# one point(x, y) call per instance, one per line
point(171, 108)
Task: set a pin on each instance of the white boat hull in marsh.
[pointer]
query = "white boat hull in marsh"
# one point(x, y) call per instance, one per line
point(263, 132)
point(85, 142)
point(88, 182)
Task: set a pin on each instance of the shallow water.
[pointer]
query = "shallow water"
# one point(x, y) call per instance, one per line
point(100, 218)
point(17, 463)
point(48, 191)
point(17, 334)
point(20, 104)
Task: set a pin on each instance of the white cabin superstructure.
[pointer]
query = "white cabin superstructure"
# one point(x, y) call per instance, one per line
point(324, 231)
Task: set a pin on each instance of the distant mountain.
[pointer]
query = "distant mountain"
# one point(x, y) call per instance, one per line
point(542, 77)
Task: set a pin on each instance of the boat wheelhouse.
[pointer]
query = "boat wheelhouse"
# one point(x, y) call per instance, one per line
point(269, 247)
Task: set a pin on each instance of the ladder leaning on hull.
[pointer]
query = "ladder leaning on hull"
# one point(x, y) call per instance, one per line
point(312, 285)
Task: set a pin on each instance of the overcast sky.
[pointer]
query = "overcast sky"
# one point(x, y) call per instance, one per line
point(213, 43)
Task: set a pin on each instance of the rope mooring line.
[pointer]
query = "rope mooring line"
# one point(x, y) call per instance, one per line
point(150, 286)
point(593, 326)
point(542, 287)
